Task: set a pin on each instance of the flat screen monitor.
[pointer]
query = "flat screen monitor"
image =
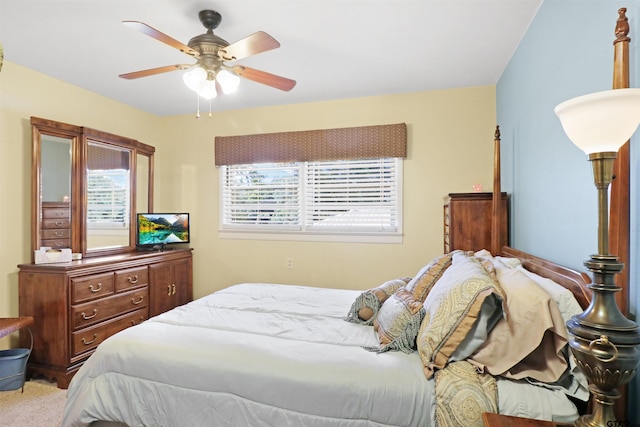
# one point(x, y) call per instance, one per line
point(160, 229)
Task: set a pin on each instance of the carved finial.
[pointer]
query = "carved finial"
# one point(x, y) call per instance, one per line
point(497, 134)
point(622, 26)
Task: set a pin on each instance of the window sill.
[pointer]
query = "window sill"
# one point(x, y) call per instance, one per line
point(389, 238)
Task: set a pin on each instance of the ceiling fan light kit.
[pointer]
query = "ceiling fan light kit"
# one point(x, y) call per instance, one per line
point(210, 75)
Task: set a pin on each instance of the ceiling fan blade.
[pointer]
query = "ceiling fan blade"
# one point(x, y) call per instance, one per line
point(265, 78)
point(251, 45)
point(152, 32)
point(154, 71)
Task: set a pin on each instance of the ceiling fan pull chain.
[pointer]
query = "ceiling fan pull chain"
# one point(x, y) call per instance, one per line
point(198, 106)
point(209, 108)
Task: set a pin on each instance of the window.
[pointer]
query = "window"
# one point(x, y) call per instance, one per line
point(107, 198)
point(344, 197)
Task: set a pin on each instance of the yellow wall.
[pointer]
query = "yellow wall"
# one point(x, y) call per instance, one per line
point(450, 136)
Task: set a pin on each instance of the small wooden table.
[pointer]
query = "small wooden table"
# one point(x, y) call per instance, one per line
point(497, 420)
point(9, 325)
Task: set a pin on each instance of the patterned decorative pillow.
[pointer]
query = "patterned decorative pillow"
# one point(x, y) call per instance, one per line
point(365, 308)
point(422, 283)
point(453, 307)
point(398, 322)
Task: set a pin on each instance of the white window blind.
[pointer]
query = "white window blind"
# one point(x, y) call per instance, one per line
point(343, 196)
point(266, 195)
point(108, 197)
point(352, 195)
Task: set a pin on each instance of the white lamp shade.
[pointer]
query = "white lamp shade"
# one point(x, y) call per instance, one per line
point(229, 82)
point(207, 89)
point(602, 121)
point(194, 78)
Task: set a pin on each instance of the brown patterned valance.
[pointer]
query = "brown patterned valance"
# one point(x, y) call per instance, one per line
point(103, 157)
point(365, 142)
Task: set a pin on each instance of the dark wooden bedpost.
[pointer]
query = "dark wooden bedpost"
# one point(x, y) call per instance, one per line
point(619, 218)
point(619, 212)
point(496, 213)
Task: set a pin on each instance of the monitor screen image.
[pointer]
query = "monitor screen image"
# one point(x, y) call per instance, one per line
point(162, 228)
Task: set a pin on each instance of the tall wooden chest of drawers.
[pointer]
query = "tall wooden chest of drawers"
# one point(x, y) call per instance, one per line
point(467, 221)
point(79, 304)
point(56, 225)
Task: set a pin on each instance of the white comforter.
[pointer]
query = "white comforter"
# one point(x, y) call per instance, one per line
point(266, 355)
point(251, 355)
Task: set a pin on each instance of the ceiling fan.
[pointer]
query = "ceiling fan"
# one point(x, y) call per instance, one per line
point(210, 73)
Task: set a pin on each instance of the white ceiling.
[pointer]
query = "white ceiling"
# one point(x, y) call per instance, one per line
point(333, 48)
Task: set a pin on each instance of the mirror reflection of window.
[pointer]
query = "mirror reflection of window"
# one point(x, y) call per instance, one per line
point(108, 196)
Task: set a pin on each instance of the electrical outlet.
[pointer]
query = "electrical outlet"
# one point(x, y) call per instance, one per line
point(290, 263)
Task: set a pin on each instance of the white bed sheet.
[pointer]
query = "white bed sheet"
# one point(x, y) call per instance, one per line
point(257, 355)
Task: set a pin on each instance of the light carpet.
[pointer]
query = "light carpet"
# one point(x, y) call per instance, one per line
point(41, 405)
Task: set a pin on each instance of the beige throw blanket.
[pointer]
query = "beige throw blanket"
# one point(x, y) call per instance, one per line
point(529, 341)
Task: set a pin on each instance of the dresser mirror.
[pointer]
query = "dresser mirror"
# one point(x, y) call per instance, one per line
point(109, 184)
point(87, 186)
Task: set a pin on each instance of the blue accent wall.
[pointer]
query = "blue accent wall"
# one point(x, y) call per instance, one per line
point(566, 52)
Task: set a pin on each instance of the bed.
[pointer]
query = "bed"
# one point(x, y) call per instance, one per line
point(261, 354)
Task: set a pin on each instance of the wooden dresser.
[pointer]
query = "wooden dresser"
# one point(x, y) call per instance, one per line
point(467, 221)
point(56, 225)
point(77, 305)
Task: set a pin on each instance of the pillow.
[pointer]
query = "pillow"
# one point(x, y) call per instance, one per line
point(453, 307)
point(422, 283)
point(573, 382)
point(529, 341)
point(398, 322)
point(567, 302)
point(365, 308)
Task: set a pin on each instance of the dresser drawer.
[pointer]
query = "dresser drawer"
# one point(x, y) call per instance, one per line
point(56, 223)
point(89, 338)
point(91, 287)
point(56, 243)
point(101, 309)
point(132, 278)
point(56, 233)
point(56, 213)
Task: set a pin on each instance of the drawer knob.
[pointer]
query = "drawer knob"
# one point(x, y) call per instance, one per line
point(59, 233)
point(134, 302)
point(85, 317)
point(59, 223)
point(97, 289)
point(85, 342)
point(173, 289)
point(133, 280)
point(134, 322)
